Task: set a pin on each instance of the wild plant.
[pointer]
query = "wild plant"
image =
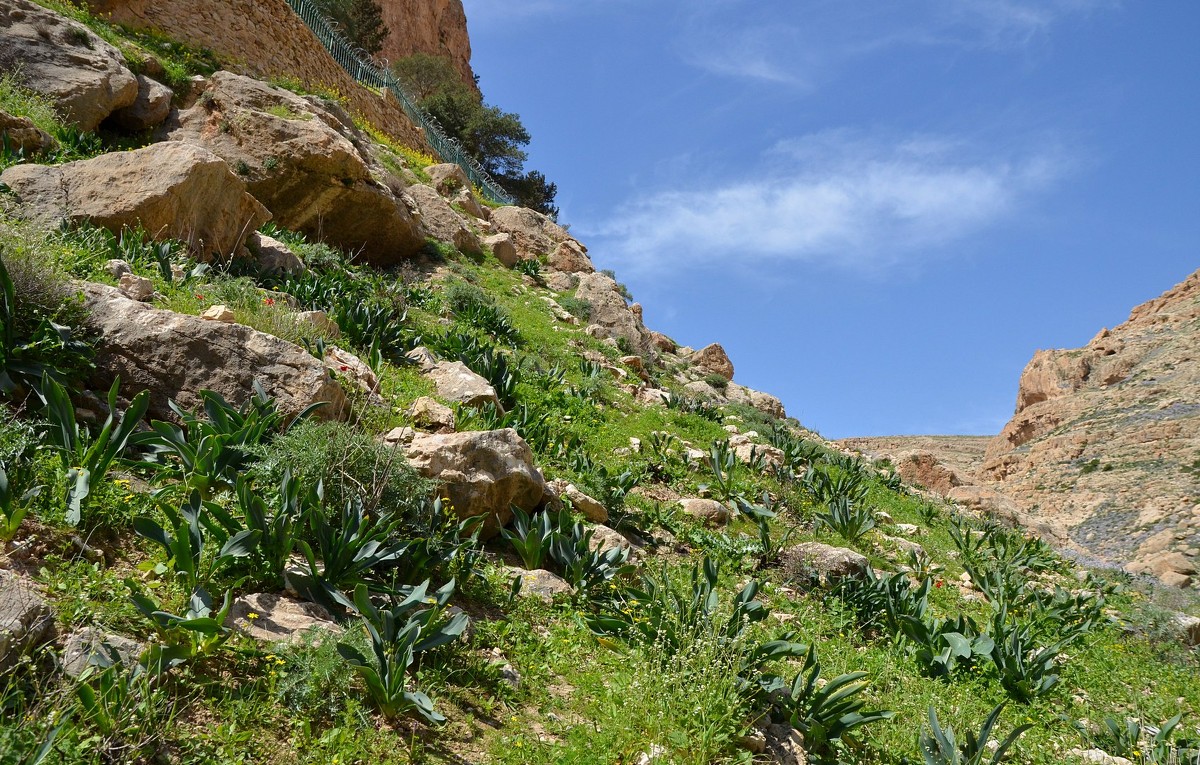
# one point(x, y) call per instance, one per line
point(826, 484)
point(938, 746)
point(1140, 743)
point(535, 428)
point(278, 528)
point(26, 358)
point(439, 542)
point(827, 712)
point(531, 536)
point(125, 709)
point(1006, 588)
point(1026, 670)
point(583, 564)
point(945, 646)
point(492, 321)
point(85, 459)
point(196, 633)
point(183, 541)
point(660, 611)
point(930, 513)
point(922, 566)
point(208, 453)
point(379, 330)
point(726, 485)
point(885, 602)
point(664, 448)
point(771, 544)
point(681, 402)
point(972, 543)
point(13, 508)
point(399, 633)
point(1065, 616)
point(848, 520)
point(490, 364)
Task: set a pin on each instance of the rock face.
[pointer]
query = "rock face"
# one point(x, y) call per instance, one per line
point(148, 110)
point(1105, 442)
point(175, 355)
point(172, 190)
point(440, 221)
point(610, 313)
point(534, 235)
point(436, 28)
point(712, 358)
point(305, 161)
point(86, 77)
point(925, 469)
point(481, 472)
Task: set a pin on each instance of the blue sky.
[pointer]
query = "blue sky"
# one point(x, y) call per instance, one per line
point(880, 209)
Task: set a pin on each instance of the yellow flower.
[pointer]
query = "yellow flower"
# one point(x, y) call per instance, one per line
point(251, 616)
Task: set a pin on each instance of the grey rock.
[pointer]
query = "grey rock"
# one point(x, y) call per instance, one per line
point(813, 562)
point(271, 618)
point(454, 381)
point(503, 248)
point(24, 136)
point(90, 646)
point(709, 511)
point(540, 583)
point(25, 620)
point(273, 256)
point(440, 221)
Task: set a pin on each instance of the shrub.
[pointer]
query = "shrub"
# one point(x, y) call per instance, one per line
point(827, 711)
point(848, 520)
point(580, 309)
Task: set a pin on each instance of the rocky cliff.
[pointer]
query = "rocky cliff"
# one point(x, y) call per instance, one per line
point(1105, 441)
point(438, 28)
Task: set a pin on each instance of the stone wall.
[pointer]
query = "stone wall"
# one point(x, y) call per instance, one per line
point(263, 39)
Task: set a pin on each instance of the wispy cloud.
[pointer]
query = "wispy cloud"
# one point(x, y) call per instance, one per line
point(836, 198)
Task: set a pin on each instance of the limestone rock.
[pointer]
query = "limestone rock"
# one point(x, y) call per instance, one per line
point(305, 161)
point(148, 110)
point(273, 256)
point(85, 76)
point(448, 178)
point(466, 201)
point(481, 472)
point(816, 562)
point(430, 415)
point(1187, 628)
point(763, 402)
point(25, 619)
point(219, 313)
point(175, 355)
point(540, 583)
point(345, 364)
point(709, 511)
point(117, 268)
point(321, 321)
point(136, 287)
point(454, 381)
point(1098, 757)
point(587, 506)
point(90, 645)
point(923, 468)
point(440, 221)
point(561, 282)
point(503, 248)
point(610, 314)
point(605, 538)
point(23, 136)
point(713, 359)
point(571, 257)
point(534, 235)
point(172, 190)
point(270, 618)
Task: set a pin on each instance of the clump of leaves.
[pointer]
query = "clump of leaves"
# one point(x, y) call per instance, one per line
point(827, 712)
point(939, 747)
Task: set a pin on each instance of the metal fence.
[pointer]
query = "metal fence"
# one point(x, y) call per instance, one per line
point(362, 69)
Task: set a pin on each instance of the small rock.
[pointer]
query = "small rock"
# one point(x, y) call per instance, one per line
point(25, 619)
point(1098, 757)
point(503, 248)
point(275, 619)
point(136, 287)
point(540, 583)
point(321, 321)
point(430, 415)
point(710, 511)
point(587, 506)
point(712, 358)
point(218, 313)
point(90, 645)
point(824, 564)
point(117, 268)
point(273, 256)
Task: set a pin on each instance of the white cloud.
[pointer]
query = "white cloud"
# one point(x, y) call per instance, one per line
point(834, 198)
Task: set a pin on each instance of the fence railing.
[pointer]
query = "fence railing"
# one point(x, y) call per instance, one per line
point(362, 69)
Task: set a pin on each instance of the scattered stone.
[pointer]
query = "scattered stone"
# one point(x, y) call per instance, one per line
point(174, 355)
point(481, 472)
point(431, 415)
point(466, 201)
point(1098, 757)
point(605, 538)
point(589, 507)
point(663, 343)
point(821, 563)
point(448, 178)
point(271, 618)
point(61, 58)
point(91, 646)
point(273, 256)
point(709, 511)
point(23, 136)
point(785, 745)
point(909, 529)
point(1186, 627)
point(454, 381)
point(540, 583)
point(218, 313)
point(654, 754)
point(343, 363)
point(763, 402)
point(25, 620)
point(170, 189)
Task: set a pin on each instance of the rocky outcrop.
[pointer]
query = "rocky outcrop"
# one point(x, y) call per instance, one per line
point(534, 235)
point(1105, 441)
point(740, 394)
point(713, 360)
point(432, 27)
point(148, 110)
point(171, 190)
point(440, 221)
point(926, 470)
point(85, 77)
point(174, 356)
point(481, 473)
point(305, 161)
point(610, 313)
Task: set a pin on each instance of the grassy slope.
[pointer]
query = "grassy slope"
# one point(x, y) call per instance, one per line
point(580, 699)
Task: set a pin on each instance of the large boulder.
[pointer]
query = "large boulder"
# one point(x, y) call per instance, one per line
point(148, 110)
point(534, 235)
point(440, 221)
point(713, 359)
point(571, 257)
point(25, 619)
point(175, 356)
point(455, 382)
point(923, 468)
point(610, 313)
point(60, 58)
point(481, 473)
point(305, 160)
point(171, 190)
